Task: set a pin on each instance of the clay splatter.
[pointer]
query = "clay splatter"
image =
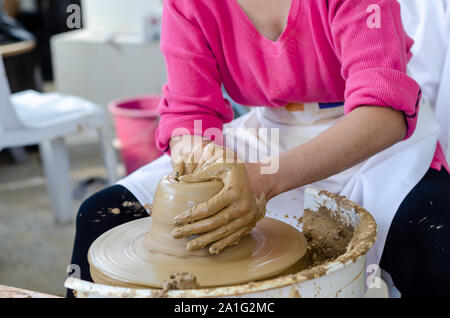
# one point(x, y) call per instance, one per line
point(148, 207)
point(421, 220)
point(114, 211)
point(180, 281)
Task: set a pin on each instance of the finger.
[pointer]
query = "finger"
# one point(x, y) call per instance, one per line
point(205, 174)
point(194, 178)
point(230, 240)
point(219, 233)
point(218, 155)
point(261, 207)
point(210, 162)
point(209, 224)
point(206, 209)
point(180, 165)
point(189, 165)
point(178, 170)
point(207, 154)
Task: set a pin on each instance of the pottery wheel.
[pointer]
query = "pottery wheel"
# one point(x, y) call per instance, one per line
point(124, 257)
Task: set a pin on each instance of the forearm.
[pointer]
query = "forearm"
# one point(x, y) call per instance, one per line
point(359, 135)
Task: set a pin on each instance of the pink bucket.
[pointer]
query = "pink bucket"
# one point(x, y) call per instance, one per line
point(136, 122)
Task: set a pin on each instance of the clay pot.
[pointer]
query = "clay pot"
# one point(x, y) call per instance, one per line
point(171, 199)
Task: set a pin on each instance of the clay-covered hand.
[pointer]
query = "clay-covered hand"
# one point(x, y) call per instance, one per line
point(203, 154)
point(225, 218)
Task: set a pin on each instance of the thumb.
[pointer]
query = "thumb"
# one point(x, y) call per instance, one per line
point(194, 178)
point(208, 173)
point(178, 169)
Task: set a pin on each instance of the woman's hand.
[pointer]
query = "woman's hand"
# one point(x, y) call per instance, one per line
point(228, 216)
point(202, 155)
point(195, 154)
point(186, 153)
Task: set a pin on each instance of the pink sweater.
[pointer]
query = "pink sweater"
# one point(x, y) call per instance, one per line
point(327, 53)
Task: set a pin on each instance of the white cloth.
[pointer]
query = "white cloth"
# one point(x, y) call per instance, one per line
point(428, 23)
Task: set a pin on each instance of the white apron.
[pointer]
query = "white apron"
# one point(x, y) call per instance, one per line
point(379, 184)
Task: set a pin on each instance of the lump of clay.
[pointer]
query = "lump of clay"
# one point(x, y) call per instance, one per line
point(180, 281)
point(327, 236)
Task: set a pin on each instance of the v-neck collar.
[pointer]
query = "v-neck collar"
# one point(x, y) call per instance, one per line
point(292, 16)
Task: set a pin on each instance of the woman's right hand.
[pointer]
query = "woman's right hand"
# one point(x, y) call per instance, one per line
point(229, 215)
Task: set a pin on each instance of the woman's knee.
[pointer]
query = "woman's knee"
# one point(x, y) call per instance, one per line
point(110, 207)
point(418, 243)
point(90, 208)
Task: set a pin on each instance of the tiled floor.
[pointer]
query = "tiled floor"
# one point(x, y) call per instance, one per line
point(34, 252)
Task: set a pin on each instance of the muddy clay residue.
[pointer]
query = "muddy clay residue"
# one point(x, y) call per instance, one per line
point(114, 211)
point(180, 281)
point(327, 237)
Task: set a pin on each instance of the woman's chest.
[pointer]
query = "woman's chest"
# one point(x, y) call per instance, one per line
point(297, 71)
point(269, 17)
point(299, 66)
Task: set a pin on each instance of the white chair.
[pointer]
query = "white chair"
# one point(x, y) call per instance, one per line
point(32, 118)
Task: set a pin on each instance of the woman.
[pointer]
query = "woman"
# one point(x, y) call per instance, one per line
point(332, 77)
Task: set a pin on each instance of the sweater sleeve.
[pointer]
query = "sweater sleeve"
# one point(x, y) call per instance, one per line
point(374, 50)
point(192, 98)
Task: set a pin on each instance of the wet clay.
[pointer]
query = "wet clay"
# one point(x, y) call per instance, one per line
point(327, 236)
point(143, 253)
point(226, 217)
point(180, 281)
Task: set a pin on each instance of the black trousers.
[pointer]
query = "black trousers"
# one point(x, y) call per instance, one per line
point(416, 254)
point(417, 250)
